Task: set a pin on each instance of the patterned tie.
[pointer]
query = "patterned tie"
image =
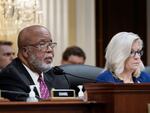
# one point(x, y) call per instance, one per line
point(43, 88)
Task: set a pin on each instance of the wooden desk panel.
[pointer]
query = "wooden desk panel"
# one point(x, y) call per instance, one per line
point(120, 98)
point(50, 107)
point(102, 98)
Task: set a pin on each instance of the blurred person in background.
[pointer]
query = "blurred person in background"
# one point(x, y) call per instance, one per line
point(73, 55)
point(6, 53)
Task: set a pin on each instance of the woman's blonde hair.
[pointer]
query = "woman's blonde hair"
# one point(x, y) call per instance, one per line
point(119, 49)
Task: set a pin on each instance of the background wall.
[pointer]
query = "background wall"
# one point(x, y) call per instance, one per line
point(90, 24)
point(148, 31)
point(71, 22)
point(113, 16)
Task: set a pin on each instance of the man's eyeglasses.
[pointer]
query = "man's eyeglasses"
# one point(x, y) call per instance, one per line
point(139, 52)
point(44, 46)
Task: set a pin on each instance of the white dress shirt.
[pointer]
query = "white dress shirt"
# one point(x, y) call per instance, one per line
point(34, 77)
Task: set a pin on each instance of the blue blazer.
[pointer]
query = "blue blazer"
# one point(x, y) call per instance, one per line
point(107, 77)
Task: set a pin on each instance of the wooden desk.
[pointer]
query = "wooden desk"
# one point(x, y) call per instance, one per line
point(120, 98)
point(50, 107)
point(102, 98)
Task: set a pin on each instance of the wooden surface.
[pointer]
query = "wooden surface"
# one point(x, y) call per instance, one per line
point(120, 98)
point(102, 98)
point(62, 106)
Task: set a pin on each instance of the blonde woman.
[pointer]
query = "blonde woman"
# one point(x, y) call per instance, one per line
point(123, 60)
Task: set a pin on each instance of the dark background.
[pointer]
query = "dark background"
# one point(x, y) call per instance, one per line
point(113, 16)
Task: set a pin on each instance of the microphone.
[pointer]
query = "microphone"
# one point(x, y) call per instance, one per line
point(17, 93)
point(73, 83)
point(14, 92)
point(58, 71)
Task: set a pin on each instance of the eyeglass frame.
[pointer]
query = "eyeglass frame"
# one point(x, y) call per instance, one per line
point(139, 52)
point(45, 45)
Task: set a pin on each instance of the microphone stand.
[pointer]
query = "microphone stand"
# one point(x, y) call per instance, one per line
point(67, 81)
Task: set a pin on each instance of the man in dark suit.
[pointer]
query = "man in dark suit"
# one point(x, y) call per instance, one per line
point(35, 54)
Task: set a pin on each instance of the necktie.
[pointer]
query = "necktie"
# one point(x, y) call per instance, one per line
point(43, 88)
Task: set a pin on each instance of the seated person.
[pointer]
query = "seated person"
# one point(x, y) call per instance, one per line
point(73, 55)
point(123, 60)
point(34, 58)
point(6, 53)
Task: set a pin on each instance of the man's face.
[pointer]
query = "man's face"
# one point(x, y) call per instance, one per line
point(41, 51)
point(41, 59)
point(6, 55)
point(42, 62)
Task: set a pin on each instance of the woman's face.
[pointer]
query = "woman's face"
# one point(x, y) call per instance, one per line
point(133, 61)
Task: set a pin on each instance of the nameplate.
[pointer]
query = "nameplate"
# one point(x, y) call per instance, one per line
point(59, 93)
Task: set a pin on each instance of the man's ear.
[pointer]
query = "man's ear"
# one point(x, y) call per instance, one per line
point(25, 52)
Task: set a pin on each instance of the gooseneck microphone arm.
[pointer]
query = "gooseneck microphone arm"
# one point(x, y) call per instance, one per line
point(58, 71)
point(15, 92)
point(67, 81)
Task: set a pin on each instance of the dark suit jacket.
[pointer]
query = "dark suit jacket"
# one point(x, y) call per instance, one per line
point(16, 78)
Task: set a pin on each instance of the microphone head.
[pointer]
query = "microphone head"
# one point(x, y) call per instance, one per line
point(58, 71)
